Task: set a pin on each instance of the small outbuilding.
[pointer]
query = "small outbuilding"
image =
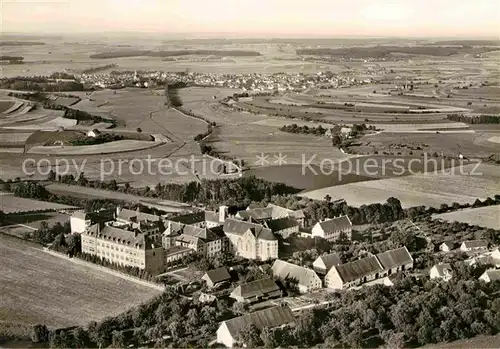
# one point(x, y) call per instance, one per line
point(441, 271)
point(216, 277)
point(93, 133)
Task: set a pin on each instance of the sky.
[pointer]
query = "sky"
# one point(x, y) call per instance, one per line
point(301, 18)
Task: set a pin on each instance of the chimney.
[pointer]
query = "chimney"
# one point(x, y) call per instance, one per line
point(223, 211)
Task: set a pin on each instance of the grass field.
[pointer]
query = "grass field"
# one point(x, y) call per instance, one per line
point(488, 217)
point(13, 139)
point(82, 192)
point(294, 176)
point(11, 204)
point(471, 145)
point(484, 342)
point(5, 105)
point(324, 173)
point(430, 189)
point(40, 288)
point(145, 109)
point(105, 148)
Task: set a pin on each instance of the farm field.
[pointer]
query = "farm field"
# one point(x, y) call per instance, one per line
point(74, 57)
point(430, 189)
point(5, 105)
point(18, 225)
point(41, 288)
point(488, 217)
point(296, 178)
point(471, 145)
point(352, 170)
point(145, 109)
point(12, 204)
point(105, 148)
point(83, 192)
point(122, 167)
point(13, 139)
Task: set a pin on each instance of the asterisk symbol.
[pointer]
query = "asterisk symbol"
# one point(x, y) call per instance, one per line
point(262, 160)
point(280, 159)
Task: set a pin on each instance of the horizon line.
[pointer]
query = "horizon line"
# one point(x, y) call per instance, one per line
point(231, 35)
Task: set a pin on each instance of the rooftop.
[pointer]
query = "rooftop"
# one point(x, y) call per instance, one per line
point(267, 318)
point(130, 215)
point(493, 275)
point(122, 236)
point(334, 224)
point(235, 226)
point(442, 268)
point(475, 243)
point(190, 218)
point(329, 260)
point(394, 258)
point(358, 269)
point(285, 270)
point(218, 275)
point(279, 224)
point(255, 288)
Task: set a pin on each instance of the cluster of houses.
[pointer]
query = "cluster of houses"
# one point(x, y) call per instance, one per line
point(479, 255)
point(329, 272)
point(149, 242)
point(245, 82)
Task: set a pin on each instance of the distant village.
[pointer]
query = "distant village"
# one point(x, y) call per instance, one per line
point(246, 82)
point(156, 243)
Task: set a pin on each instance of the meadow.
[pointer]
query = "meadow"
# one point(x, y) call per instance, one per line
point(106, 148)
point(428, 189)
point(93, 193)
point(40, 288)
point(471, 144)
point(5, 105)
point(488, 217)
point(13, 204)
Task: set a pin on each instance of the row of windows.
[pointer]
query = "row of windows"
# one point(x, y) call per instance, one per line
point(123, 258)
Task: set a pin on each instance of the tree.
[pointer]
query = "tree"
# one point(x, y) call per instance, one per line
point(80, 337)
point(250, 336)
point(336, 140)
point(39, 334)
point(118, 339)
point(394, 340)
point(139, 130)
point(51, 176)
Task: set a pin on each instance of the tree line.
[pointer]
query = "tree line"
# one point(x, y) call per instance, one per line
point(39, 83)
point(469, 119)
point(294, 128)
point(100, 139)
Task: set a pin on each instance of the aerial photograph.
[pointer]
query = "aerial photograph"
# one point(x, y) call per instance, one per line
point(250, 174)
